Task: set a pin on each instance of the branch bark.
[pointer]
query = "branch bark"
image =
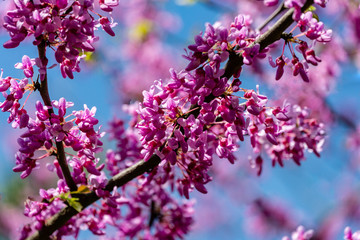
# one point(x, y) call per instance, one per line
point(277, 12)
point(44, 92)
point(274, 33)
point(233, 65)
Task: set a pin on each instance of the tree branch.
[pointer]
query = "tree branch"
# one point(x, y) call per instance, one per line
point(233, 65)
point(274, 33)
point(279, 10)
point(44, 92)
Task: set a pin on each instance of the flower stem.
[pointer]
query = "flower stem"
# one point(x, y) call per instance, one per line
point(44, 92)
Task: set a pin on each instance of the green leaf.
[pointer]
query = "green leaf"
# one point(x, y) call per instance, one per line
point(89, 57)
point(66, 195)
point(74, 202)
point(316, 16)
point(311, 9)
point(81, 189)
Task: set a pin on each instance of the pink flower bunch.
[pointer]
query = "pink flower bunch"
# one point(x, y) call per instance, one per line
point(287, 135)
point(46, 129)
point(150, 207)
point(217, 39)
point(17, 88)
point(313, 30)
point(14, 89)
point(196, 115)
point(66, 26)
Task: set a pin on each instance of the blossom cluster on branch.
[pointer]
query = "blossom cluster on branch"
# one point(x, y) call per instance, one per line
point(182, 126)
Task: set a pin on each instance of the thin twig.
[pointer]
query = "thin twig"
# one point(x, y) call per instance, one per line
point(276, 13)
point(44, 92)
point(274, 33)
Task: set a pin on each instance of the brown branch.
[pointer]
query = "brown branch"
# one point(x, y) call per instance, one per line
point(44, 92)
point(274, 33)
point(233, 65)
point(276, 13)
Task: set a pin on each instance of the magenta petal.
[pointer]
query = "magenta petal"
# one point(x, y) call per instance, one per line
point(200, 187)
point(271, 138)
point(11, 44)
point(19, 168)
point(24, 120)
point(92, 169)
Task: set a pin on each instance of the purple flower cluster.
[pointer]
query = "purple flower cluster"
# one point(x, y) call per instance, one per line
point(196, 115)
point(46, 129)
point(214, 44)
point(53, 200)
point(179, 134)
point(314, 30)
point(152, 211)
point(67, 27)
point(143, 208)
point(13, 91)
point(17, 88)
point(40, 211)
point(79, 134)
point(294, 133)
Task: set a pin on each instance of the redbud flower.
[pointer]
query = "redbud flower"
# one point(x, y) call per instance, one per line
point(26, 65)
point(106, 25)
point(299, 68)
point(279, 63)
